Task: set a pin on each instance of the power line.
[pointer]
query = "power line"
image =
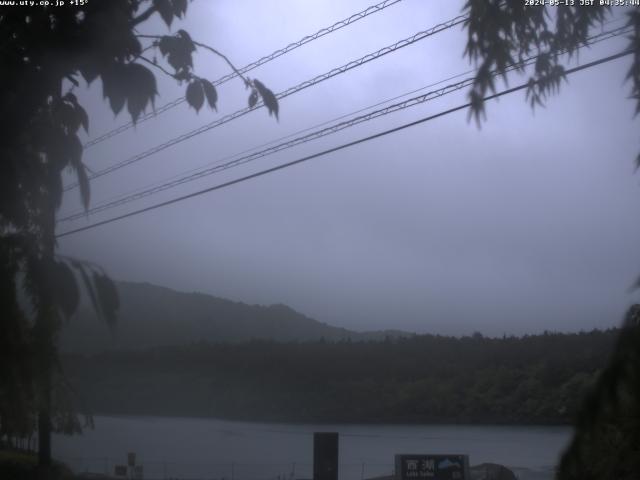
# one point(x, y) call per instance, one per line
point(200, 171)
point(247, 68)
point(290, 91)
point(249, 157)
point(330, 150)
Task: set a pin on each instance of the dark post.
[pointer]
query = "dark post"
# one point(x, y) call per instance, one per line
point(325, 456)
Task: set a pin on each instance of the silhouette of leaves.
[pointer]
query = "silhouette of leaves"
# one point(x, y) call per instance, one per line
point(195, 94)
point(75, 159)
point(86, 280)
point(210, 92)
point(165, 9)
point(83, 182)
point(178, 50)
point(502, 33)
point(54, 187)
point(132, 83)
point(253, 98)
point(84, 118)
point(633, 74)
point(141, 89)
point(179, 8)
point(107, 295)
point(608, 418)
point(268, 97)
point(40, 127)
point(114, 86)
point(65, 114)
point(89, 70)
point(67, 294)
point(183, 34)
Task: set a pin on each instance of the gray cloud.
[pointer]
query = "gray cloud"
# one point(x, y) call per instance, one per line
point(526, 224)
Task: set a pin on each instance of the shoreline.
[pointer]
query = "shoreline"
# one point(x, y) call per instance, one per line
point(132, 416)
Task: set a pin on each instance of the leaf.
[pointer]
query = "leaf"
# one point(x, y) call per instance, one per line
point(179, 8)
point(165, 44)
point(89, 70)
point(211, 93)
point(253, 98)
point(72, 98)
point(54, 187)
point(114, 87)
point(165, 9)
point(116, 101)
point(268, 97)
point(185, 35)
point(141, 89)
point(83, 182)
point(178, 50)
point(67, 115)
point(74, 151)
point(76, 116)
point(87, 285)
point(195, 94)
point(66, 289)
point(84, 118)
point(107, 296)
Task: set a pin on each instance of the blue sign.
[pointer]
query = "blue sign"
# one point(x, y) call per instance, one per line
point(432, 467)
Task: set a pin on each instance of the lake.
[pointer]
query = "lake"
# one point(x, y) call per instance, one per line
point(217, 449)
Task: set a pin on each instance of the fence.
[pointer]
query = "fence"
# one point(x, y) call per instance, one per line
point(169, 470)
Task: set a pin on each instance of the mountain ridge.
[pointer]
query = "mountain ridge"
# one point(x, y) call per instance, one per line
point(152, 315)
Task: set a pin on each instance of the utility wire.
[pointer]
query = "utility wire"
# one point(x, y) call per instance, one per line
point(114, 198)
point(411, 102)
point(331, 150)
point(247, 68)
point(290, 91)
point(590, 41)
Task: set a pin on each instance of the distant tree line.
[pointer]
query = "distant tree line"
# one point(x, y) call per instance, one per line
point(537, 379)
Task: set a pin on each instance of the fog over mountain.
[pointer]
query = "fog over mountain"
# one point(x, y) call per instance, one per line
point(151, 316)
point(526, 224)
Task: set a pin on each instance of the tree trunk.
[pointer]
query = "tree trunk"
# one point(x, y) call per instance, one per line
point(44, 438)
point(44, 407)
point(46, 327)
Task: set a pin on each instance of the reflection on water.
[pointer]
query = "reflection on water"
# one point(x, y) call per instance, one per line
point(209, 448)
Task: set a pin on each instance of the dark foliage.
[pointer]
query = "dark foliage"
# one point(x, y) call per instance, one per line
point(45, 53)
point(195, 94)
point(269, 99)
point(504, 31)
point(18, 464)
point(535, 379)
point(607, 439)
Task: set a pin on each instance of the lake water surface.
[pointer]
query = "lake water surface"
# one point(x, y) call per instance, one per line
point(209, 448)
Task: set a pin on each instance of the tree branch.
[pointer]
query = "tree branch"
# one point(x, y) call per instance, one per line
point(143, 16)
point(212, 50)
point(159, 67)
point(224, 57)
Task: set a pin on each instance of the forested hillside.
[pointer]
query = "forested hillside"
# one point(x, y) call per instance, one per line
point(534, 379)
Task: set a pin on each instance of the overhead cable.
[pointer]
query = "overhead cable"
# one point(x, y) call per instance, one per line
point(243, 159)
point(290, 91)
point(247, 68)
point(328, 151)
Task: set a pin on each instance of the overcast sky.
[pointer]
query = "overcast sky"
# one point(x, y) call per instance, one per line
point(529, 223)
